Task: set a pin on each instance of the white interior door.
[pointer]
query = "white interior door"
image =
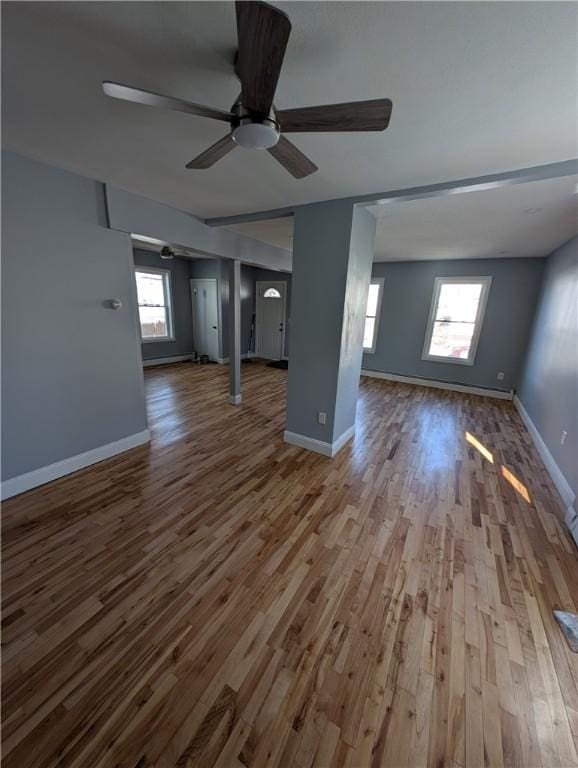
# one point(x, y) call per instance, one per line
point(205, 318)
point(270, 331)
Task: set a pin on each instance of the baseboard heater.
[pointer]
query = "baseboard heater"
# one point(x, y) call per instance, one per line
point(500, 394)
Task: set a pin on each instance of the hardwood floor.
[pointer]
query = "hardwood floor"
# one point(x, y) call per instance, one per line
point(222, 598)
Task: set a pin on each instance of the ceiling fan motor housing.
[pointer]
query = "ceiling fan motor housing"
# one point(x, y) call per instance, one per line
point(252, 130)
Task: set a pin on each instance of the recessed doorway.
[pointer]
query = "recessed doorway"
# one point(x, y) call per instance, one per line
point(270, 319)
point(205, 307)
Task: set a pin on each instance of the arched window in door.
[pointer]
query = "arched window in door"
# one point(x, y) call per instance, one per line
point(271, 293)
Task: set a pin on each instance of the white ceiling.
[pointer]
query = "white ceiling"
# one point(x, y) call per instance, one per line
point(493, 223)
point(477, 88)
point(277, 232)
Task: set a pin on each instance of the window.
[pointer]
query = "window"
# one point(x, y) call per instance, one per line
point(455, 320)
point(271, 293)
point(372, 314)
point(153, 287)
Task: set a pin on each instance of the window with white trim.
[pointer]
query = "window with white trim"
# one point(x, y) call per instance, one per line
point(153, 287)
point(372, 311)
point(455, 319)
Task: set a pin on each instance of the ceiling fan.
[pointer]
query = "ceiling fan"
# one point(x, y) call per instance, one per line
point(263, 33)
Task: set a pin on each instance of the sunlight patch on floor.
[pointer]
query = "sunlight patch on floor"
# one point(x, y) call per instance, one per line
point(516, 484)
point(479, 447)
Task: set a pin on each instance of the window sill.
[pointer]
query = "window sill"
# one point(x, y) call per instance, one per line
point(450, 360)
point(152, 341)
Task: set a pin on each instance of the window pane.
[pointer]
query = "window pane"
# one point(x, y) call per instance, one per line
point(153, 322)
point(459, 302)
point(368, 333)
point(451, 339)
point(271, 293)
point(150, 289)
point(372, 298)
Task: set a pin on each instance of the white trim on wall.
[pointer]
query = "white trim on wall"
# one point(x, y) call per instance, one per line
point(244, 356)
point(498, 394)
point(319, 446)
point(26, 482)
point(572, 523)
point(166, 360)
point(562, 485)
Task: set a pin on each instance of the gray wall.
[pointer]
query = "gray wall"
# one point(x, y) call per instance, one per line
point(330, 279)
point(320, 257)
point(408, 288)
point(71, 369)
point(182, 311)
point(549, 387)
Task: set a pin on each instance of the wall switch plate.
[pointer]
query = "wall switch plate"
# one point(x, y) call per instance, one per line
point(322, 417)
point(501, 376)
point(563, 437)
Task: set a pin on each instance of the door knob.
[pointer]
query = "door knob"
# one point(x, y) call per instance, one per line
point(214, 327)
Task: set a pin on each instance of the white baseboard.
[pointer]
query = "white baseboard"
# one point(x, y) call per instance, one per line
point(497, 394)
point(235, 399)
point(244, 356)
point(572, 523)
point(43, 475)
point(319, 446)
point(344, 438)
point(562, 485)
point(166, 360)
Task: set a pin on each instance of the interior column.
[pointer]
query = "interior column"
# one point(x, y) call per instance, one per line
point(333, 246)
point(234, 332)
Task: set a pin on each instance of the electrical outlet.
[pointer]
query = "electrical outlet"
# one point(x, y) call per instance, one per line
point(500, 376)
point(563, 437)
point(321, 417)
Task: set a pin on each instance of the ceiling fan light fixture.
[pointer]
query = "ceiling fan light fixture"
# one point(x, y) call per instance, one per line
point(262, 37)
point(256, 135)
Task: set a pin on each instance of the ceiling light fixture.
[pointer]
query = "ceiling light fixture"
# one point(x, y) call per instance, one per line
point(262, 36)
point(256, 135)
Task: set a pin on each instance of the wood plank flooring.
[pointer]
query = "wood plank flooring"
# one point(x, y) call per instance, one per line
point(220, 598)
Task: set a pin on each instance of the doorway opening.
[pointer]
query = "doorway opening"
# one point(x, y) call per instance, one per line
point(205, 309)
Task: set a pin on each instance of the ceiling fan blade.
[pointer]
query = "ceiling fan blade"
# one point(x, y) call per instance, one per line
point(138, 96)
point(210, 156)
point(262, 32)
point(371, 115)
point(292, 159)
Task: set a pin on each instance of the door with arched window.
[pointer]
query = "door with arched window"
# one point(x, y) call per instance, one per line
point(270, 319)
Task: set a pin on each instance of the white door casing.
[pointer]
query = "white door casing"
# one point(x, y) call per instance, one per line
point(204, 302)
point(270, 319)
